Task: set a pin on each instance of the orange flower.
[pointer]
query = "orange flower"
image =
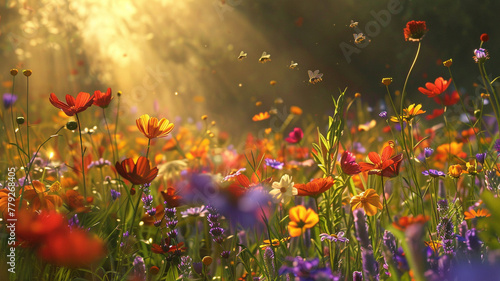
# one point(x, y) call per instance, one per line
point(409, 113)
point(73, 106)
point(152, 128)
point(369, 200)
point(102, 99)
point(75, 201)
point(315, 187)
point(261, 116)
point(295, 110)
point(137, 173)
point(173, 199)
point(406, 221)
point(383, 165)
point(433, 90)
point(301, 219)
point(480, 213)
point(455, 171)
point(453, 148)
point(39, 199)
point(415, 30)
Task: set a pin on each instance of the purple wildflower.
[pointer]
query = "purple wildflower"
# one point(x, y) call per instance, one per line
point(195, 212)
point(305, 270)
point(269, 262)
point(370, 265)
point(339, 237)
point(473, 242)
point(480, 55)
point(492, 180)
point(433, 173)
point(357, 276)
point(445, 232)
point(428, 152)
point(8, 100)
point(275, 164)
point(480, 157)
point(115, 194)
point(185, 266)
point(99, 163)
point(225, 254)
point(139, 270)
point(383, 114)
point(233, 175)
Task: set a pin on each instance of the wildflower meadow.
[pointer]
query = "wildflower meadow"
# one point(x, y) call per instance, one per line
point(407, 192)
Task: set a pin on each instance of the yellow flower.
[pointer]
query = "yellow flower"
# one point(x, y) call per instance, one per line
point(301, 219)
point(152, 128)
point(387, 81)
point(455, 171)
point(448, 63)
point(275, 243)
point(409, 113)
point(369, 200)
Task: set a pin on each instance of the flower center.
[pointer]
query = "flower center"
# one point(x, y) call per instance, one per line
point(283, 189)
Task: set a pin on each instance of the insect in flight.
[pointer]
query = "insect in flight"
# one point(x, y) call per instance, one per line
point(265, 57)
point(353, 24)
point(293, 65)
point(242, 55)
point(359, 38)
point(315, 77)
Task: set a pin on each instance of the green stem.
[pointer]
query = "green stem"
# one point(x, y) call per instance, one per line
point(408, 76)
point(82, 154)
point(109, 135)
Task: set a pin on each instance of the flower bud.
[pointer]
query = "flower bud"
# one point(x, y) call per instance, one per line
point(484, 37)
point(207, 260)
point(13, 72)
point(204, 117)
point(20, 120)
point(448, 63)
point(27, 72)
point(387, 81)
point(71, 125)
point(119, 93)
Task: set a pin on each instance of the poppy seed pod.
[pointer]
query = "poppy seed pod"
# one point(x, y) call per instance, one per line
point(27, 72)
point(20, 120)
point(13, 72)
point(71, 125)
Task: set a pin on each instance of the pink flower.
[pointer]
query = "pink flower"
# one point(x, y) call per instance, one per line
point(295, 136)
point(348, 163)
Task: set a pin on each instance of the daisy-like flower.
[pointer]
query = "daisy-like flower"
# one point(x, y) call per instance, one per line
point(339, 237)
point(138, 173)
point(315, 187)
point(152, 128)
point(415, 31)
point(283, 191)
point(275, 164)
point(480, 213)
point(261, 116)
point(301, 219)
point(102, 99)
point(72, 105)
point(433, 173)
point(409, 113)
point(432, 90)
point(195, 212)
point(368, 200)
point(480, 55)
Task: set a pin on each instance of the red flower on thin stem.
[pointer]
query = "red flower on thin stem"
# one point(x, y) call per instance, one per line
point(295, 136)
point(432, 90)
point(415, 31)
point(73, 106)
point(383, 165)
point(102, 99)
point(484, 37)
point(314, 187)
point(448, 99)
point(137, 173)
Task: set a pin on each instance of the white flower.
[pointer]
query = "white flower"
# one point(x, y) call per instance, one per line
point(283, 191)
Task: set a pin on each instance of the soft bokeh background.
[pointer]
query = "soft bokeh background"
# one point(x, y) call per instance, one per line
point(179, 58)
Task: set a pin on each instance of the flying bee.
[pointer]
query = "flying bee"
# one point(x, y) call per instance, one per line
point(265, 57)
point(314, 77)
point(293, 65)
point(353, 24)
point(359, 38)
point(242, 55)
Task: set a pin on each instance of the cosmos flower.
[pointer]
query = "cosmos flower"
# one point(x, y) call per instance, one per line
point(261, 116)
point(432, 90)
point(295, 136)
point(448, 99)
point(301, 219)
point(368, 200)
point(480, 213)
point(39, 198)
point(138, 173)
point(314, 187)
point(283, 191)
point(102, 99)
point(348, 163)
point(415, 31)
point(383, 165)
point(152, 128)
point(409, 113)
point(73, 106)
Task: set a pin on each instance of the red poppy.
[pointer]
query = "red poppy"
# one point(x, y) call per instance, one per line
point(137, 173)
point(73, 106)
point(435, 113)
point(484, 37)
point(348, 163)
point(102, 99)
point(448, 99)
point(383, 165)
point(314, 187)
point(34, 228)
point(75, 248)
point(415, 30)
point(433, 90)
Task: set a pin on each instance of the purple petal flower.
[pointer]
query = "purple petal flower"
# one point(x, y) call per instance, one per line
point(428, 152)
point(275, 164)
point(383, 114)
point(433, 173)
point(8, 100)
